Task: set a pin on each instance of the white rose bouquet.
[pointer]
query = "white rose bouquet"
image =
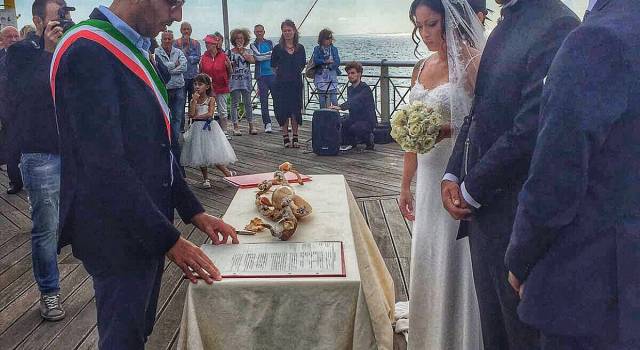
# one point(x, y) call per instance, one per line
point(416, 127)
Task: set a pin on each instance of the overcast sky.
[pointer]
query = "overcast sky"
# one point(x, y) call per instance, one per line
point(342, 16)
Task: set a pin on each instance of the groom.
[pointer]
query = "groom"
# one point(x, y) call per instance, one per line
point(576, 238)
point(491, 156)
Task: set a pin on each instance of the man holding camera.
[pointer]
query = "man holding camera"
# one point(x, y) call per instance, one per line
point(33, 127)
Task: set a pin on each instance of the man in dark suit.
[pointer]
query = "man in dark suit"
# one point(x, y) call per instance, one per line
point(492, 152)
point(120, 183)
point(575, 248)
point(481, 10)
point(10, 36)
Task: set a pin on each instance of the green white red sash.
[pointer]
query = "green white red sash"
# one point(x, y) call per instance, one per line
point(107, 36)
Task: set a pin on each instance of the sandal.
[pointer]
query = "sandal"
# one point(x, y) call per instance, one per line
point(295, 141)
point(287, 142)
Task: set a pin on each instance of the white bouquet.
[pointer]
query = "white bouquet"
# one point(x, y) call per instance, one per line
point(416, 127)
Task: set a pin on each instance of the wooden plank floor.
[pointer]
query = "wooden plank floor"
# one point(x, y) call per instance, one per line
point(374, 178)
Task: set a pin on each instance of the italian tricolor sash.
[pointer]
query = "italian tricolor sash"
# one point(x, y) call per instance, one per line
point(107, 36)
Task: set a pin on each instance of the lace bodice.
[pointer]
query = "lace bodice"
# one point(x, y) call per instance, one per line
point(438, 97)
point(203, 108)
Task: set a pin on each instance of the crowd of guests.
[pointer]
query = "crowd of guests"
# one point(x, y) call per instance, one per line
point(542, 177)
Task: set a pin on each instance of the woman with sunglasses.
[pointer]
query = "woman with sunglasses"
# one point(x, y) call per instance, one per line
point(327, 62)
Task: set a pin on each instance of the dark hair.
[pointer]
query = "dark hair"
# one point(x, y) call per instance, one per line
point(258, 25)
point(354, 65)
point(39, 7)
point(325, 34)
point(245, 33)
point(296, 36)
point(203, 79)
point(436, 6)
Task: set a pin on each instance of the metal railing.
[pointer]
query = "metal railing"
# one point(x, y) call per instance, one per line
point(390, 82)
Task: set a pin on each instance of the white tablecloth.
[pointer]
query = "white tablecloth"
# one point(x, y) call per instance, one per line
point(352, 312)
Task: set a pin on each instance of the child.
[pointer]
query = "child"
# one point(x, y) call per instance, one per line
point(206, 143)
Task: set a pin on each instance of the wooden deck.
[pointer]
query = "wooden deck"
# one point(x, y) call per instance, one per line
point(374, 178)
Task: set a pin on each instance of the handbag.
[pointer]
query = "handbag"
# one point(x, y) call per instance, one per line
point(310, 69)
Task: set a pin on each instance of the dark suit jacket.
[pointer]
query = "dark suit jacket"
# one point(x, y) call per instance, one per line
point(504, 121)
point(3, 114)
point(576, 238)
point(361, 105)
point(116, 199)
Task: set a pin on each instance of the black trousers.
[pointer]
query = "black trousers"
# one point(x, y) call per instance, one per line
point(501, 327)
point(354, 132)
point(13, 169)
point(126, 301)
point(188, 88)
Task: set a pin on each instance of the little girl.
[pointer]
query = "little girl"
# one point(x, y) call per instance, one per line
point(206, 143)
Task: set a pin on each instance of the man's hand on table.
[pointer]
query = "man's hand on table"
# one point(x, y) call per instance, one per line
point(191, 259)
point(215, 228)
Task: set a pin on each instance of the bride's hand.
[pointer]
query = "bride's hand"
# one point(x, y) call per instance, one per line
point(406, 205)
point(445, 132)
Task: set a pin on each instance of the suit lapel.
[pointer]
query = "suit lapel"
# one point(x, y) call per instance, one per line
point(601, 4)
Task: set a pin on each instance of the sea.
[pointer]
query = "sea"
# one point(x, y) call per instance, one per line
point(372, 47)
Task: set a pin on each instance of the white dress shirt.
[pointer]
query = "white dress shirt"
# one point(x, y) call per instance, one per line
point(141, 43)
point(465, 194)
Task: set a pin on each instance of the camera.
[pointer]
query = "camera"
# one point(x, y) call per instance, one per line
point(65, 23)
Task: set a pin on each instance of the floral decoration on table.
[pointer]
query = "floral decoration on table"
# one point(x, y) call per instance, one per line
point(416, 127)
point(277, 200)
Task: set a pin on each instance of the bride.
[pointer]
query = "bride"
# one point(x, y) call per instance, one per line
point(443, 309)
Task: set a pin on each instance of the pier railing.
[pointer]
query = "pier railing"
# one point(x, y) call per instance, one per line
point(390, 82)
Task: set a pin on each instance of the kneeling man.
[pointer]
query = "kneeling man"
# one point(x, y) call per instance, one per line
point(358, 127)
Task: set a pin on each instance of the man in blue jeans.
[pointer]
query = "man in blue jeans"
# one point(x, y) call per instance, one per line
point(191, 49)
point(31, 104)
point(263, 72)
point(176, 62)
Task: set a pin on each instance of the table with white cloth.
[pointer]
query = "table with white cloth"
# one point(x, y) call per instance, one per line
point(352, 312)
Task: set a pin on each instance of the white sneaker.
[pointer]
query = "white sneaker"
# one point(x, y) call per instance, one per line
point(346, 148)
point(267, 128)
point(206, 184)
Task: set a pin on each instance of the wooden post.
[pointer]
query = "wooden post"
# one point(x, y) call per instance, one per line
point(385, 100)
point(225, 22)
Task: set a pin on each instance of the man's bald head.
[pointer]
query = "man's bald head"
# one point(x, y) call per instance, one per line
point(10, 35)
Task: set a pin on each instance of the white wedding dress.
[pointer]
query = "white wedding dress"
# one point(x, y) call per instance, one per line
point(443, 307)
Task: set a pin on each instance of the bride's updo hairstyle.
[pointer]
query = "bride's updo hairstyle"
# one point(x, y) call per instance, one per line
point(438, 7)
